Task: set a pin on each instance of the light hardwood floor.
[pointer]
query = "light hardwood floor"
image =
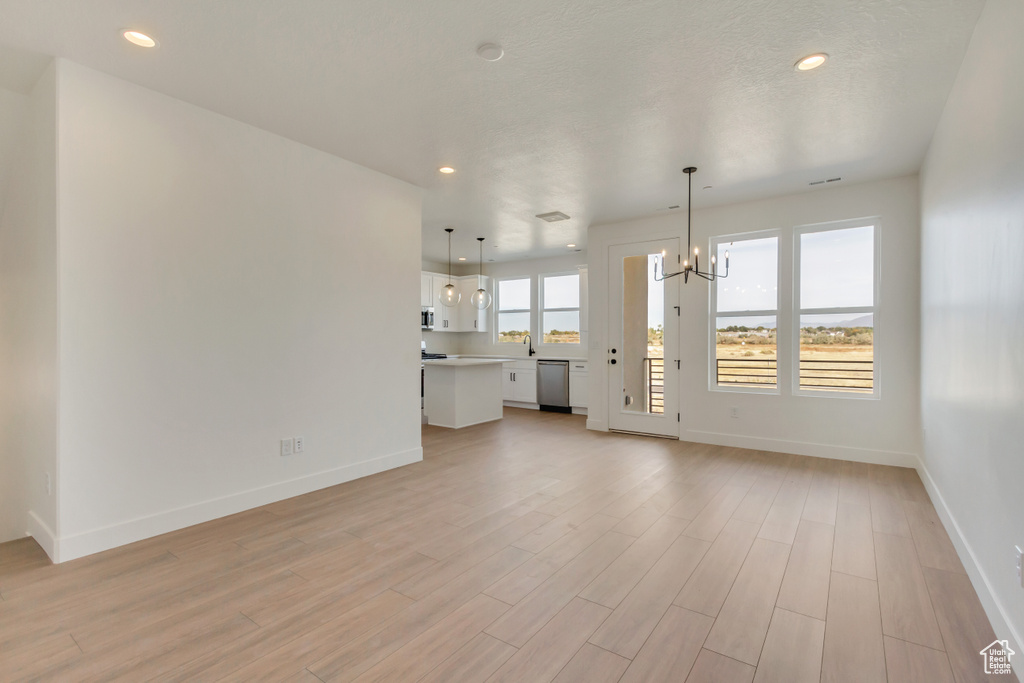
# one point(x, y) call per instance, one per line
point(525, 550)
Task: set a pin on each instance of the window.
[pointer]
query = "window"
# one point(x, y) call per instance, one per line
point(560, 310)
point(746, 311)
point(836, 309)
point(513, 310)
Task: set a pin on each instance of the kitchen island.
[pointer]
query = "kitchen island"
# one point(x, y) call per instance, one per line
point(459, 392)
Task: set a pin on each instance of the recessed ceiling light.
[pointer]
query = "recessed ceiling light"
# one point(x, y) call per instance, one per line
point(138, 38)
point(462, 258)
point(492, 52)
point(570, 246)
point(446, 169)
point(811, 62)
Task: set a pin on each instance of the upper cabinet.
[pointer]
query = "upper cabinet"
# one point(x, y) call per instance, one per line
point(473, 319)
point(463, 317)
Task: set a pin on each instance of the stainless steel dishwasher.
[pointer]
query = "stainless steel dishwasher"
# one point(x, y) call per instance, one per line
point(553, 385)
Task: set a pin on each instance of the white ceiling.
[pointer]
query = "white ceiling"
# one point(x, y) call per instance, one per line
point(593, 111)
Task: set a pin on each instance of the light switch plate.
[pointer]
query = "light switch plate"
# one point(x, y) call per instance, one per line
point(286, 447)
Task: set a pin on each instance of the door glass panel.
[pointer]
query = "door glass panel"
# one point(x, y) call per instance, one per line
point(642, 356)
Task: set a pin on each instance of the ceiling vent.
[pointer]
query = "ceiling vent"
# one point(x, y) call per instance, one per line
point(822, 182)
point(553, 217)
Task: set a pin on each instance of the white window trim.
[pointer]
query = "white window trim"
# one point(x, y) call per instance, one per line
point(541, 310)
point(713, 314)
point(875, 394)
point(498, 311)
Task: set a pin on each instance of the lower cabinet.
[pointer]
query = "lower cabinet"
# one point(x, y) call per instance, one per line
point(519, 381)
point(578, 385)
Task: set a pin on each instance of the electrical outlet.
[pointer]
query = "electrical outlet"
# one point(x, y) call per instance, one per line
point(286, 447)
point(1020, 565)
point(299, 446)
point(734, 412)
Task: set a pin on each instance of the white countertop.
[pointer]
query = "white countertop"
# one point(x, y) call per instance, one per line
point(463, 361)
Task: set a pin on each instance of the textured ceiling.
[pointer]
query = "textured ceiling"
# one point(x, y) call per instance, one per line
point(593, 111)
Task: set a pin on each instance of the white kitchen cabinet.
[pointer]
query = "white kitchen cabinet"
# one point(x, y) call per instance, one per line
point(463, 317)
point(578, 383)
point(472, 319)
point(519, 381)
point(445, 317)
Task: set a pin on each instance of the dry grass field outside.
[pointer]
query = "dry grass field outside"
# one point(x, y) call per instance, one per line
point(754, 364)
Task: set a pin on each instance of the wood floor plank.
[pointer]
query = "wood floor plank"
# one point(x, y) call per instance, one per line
point(282, 648)
point(712, 667)
point(354, 657)
point(436, 575)
point(633, 620)
point(759, 499)
point(709, 523)
point(593, 665)
point(615, 582)
point(962, 622)
point(792, 649)
point(823, 495)
point(743, 621)
point(672, 648)
point(518, 583)
point(934, 549)
point(531, 613)
point(853, 551)
point(805, 584)
point(887, 516)
point(706, 589)
point(473, 663)
point(853, 632)
point(542, 657)
point(437, 643)
point(783, 518)
point(911, 663)
point(309, 585)
point(906, 608)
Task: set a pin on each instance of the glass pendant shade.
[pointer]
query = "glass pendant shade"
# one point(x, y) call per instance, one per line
point(481, 299)
point(449, 295)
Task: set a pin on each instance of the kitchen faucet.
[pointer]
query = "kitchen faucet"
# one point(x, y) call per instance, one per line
point(528, 339)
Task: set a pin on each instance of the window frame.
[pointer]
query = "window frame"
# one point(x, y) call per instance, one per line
point(874, 223)
point(713, 314)
point(541, 310)
point(498, 310)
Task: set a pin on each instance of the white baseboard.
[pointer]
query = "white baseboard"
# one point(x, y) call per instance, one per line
point(597, 425)
point(992, 605)
point(818, 450)
point(519, 404)
point(98, 540)
point(44, 536)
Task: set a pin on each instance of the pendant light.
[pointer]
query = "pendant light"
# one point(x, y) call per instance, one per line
point(449, 294)
point(687, 268)
point(481, 298)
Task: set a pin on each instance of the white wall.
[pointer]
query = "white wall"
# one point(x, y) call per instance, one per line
point(972, 314)
point(221, 288)
point(886, 430)
point(13, 109)
point(28, 317)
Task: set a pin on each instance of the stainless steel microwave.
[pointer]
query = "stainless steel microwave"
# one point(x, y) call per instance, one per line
point(427, 318)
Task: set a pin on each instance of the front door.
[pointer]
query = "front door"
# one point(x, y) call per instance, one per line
point(643, 392)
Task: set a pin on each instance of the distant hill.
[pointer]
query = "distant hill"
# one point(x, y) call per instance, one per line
point(863, 321)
